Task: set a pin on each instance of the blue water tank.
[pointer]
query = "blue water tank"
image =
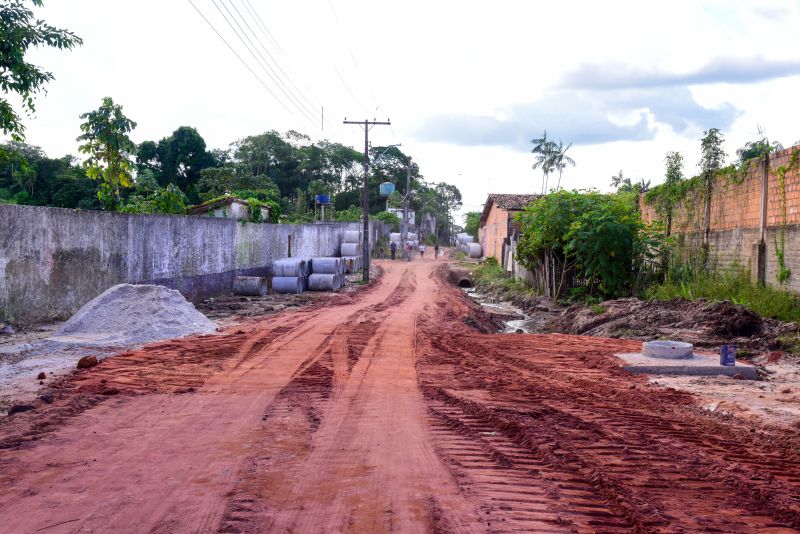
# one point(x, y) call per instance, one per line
point(322, 199)
point(387, 188)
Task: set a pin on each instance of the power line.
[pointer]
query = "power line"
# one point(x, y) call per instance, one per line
point(264, 26)
point(308, 104)
point(257, 77)
point(252, 53)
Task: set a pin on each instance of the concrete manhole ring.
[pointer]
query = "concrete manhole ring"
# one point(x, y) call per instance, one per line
point(672, 350)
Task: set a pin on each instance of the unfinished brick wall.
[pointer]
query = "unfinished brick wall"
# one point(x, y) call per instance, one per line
point(736, 218)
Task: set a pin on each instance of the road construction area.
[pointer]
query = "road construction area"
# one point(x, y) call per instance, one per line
point(381, 410)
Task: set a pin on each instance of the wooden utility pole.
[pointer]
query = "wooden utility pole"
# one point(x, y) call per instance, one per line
point(404, 237)
point(367, 126)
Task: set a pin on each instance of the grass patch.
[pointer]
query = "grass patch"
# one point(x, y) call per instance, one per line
point(597, 309)
point(490, 278)
point(734, 285)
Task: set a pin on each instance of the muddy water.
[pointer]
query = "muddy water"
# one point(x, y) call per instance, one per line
point(516, 320)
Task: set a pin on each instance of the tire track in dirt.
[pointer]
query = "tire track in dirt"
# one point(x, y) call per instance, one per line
point(335, 475)
point(166, 462)
point(650, 459)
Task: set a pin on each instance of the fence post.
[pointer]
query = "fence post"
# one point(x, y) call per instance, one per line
point(761, 248)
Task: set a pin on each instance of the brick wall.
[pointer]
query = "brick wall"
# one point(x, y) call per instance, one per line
point(492, 234)
point(736, 215)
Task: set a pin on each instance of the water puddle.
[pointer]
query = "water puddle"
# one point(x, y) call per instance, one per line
point(517, 318)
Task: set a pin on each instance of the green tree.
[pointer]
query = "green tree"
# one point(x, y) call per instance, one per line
point(712, 155)
point(471, 221)
point(597, 237)
point(19, 31)
point(178, 159)
point(712, 158)
point(544, 149)
point(105, 139)
point(169, 200)
point(757, 149)
point(561, 160)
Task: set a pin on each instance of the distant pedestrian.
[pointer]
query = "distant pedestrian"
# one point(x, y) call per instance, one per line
point(421, 250)
point(408, 250)
point(435, 251)
point(393, 248)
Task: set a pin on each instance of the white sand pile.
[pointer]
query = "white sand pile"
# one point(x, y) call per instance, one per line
point(130, 314)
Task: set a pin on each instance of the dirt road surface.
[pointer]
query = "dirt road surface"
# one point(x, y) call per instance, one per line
point(382, 411)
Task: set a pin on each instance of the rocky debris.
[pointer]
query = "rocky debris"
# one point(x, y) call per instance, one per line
point(19, 408)
point(128, 314)
point(47, 398)
point(41, 376)
point(6, 330)
point(702, 323)
point(87, 362)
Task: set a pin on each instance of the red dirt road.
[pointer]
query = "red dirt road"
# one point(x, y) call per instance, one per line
point(384, 412)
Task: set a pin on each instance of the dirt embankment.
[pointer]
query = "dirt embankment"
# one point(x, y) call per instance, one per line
point(705, 324)
point(702, 323)
point(550, 434)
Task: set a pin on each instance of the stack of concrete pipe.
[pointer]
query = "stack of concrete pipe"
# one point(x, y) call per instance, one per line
point(351, 250)
point(290, 275)
point(327, 274)
point(466, 244)
point(411, 239)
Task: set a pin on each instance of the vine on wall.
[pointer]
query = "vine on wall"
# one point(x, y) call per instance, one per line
point(783, 272)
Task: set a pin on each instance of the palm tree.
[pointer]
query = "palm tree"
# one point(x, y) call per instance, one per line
point(544, 150)
point(561, 160)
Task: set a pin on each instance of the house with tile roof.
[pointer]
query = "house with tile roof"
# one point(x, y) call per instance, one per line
point(497, 224)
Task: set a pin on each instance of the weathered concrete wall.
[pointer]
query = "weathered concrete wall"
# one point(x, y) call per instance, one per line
point(52, 260)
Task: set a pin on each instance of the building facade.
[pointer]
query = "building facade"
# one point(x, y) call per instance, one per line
point(497, 224)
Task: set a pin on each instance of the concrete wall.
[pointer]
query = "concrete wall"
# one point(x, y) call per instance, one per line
point(736, 214)
point(52, 260)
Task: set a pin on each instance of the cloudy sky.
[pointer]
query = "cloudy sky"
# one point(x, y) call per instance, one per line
point(466, 84)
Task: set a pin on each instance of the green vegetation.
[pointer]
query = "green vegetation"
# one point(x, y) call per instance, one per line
point(391, 220)
point(490, 278)
point(110, 150)
point(733, 284)
point(550, 157)
point(471, 221)
point(19, 31)
point(597, 238)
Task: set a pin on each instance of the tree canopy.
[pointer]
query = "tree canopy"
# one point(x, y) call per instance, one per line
point(19, 31)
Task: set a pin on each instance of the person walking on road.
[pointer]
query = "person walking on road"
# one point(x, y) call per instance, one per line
point(436, 251)
point(393, 248)
point(421, 250)
point(408, 250)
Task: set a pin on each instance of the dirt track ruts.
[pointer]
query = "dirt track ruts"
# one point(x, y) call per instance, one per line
point(384, 412)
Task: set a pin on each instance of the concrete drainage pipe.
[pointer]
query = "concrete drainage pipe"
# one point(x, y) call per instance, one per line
point(287, 284)
point(254, 286)
point(325, 265)
point(474, 250)
point(672, 350)
point(289, 267)
point(323, 282)
point(352, 236)
point(350, 249)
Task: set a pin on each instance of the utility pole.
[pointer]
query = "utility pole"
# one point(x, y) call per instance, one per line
point(367, 126)
point(404, 237)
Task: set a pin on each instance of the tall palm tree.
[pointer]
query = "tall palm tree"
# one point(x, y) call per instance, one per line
point(561, 160)
point(544, 150)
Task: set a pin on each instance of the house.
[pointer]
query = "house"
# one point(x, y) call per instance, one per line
point(228, 207)
point(398, 212)
point(497, 224)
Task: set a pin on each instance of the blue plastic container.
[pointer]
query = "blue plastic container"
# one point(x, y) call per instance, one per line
point(727, 355)
point(386, 188)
